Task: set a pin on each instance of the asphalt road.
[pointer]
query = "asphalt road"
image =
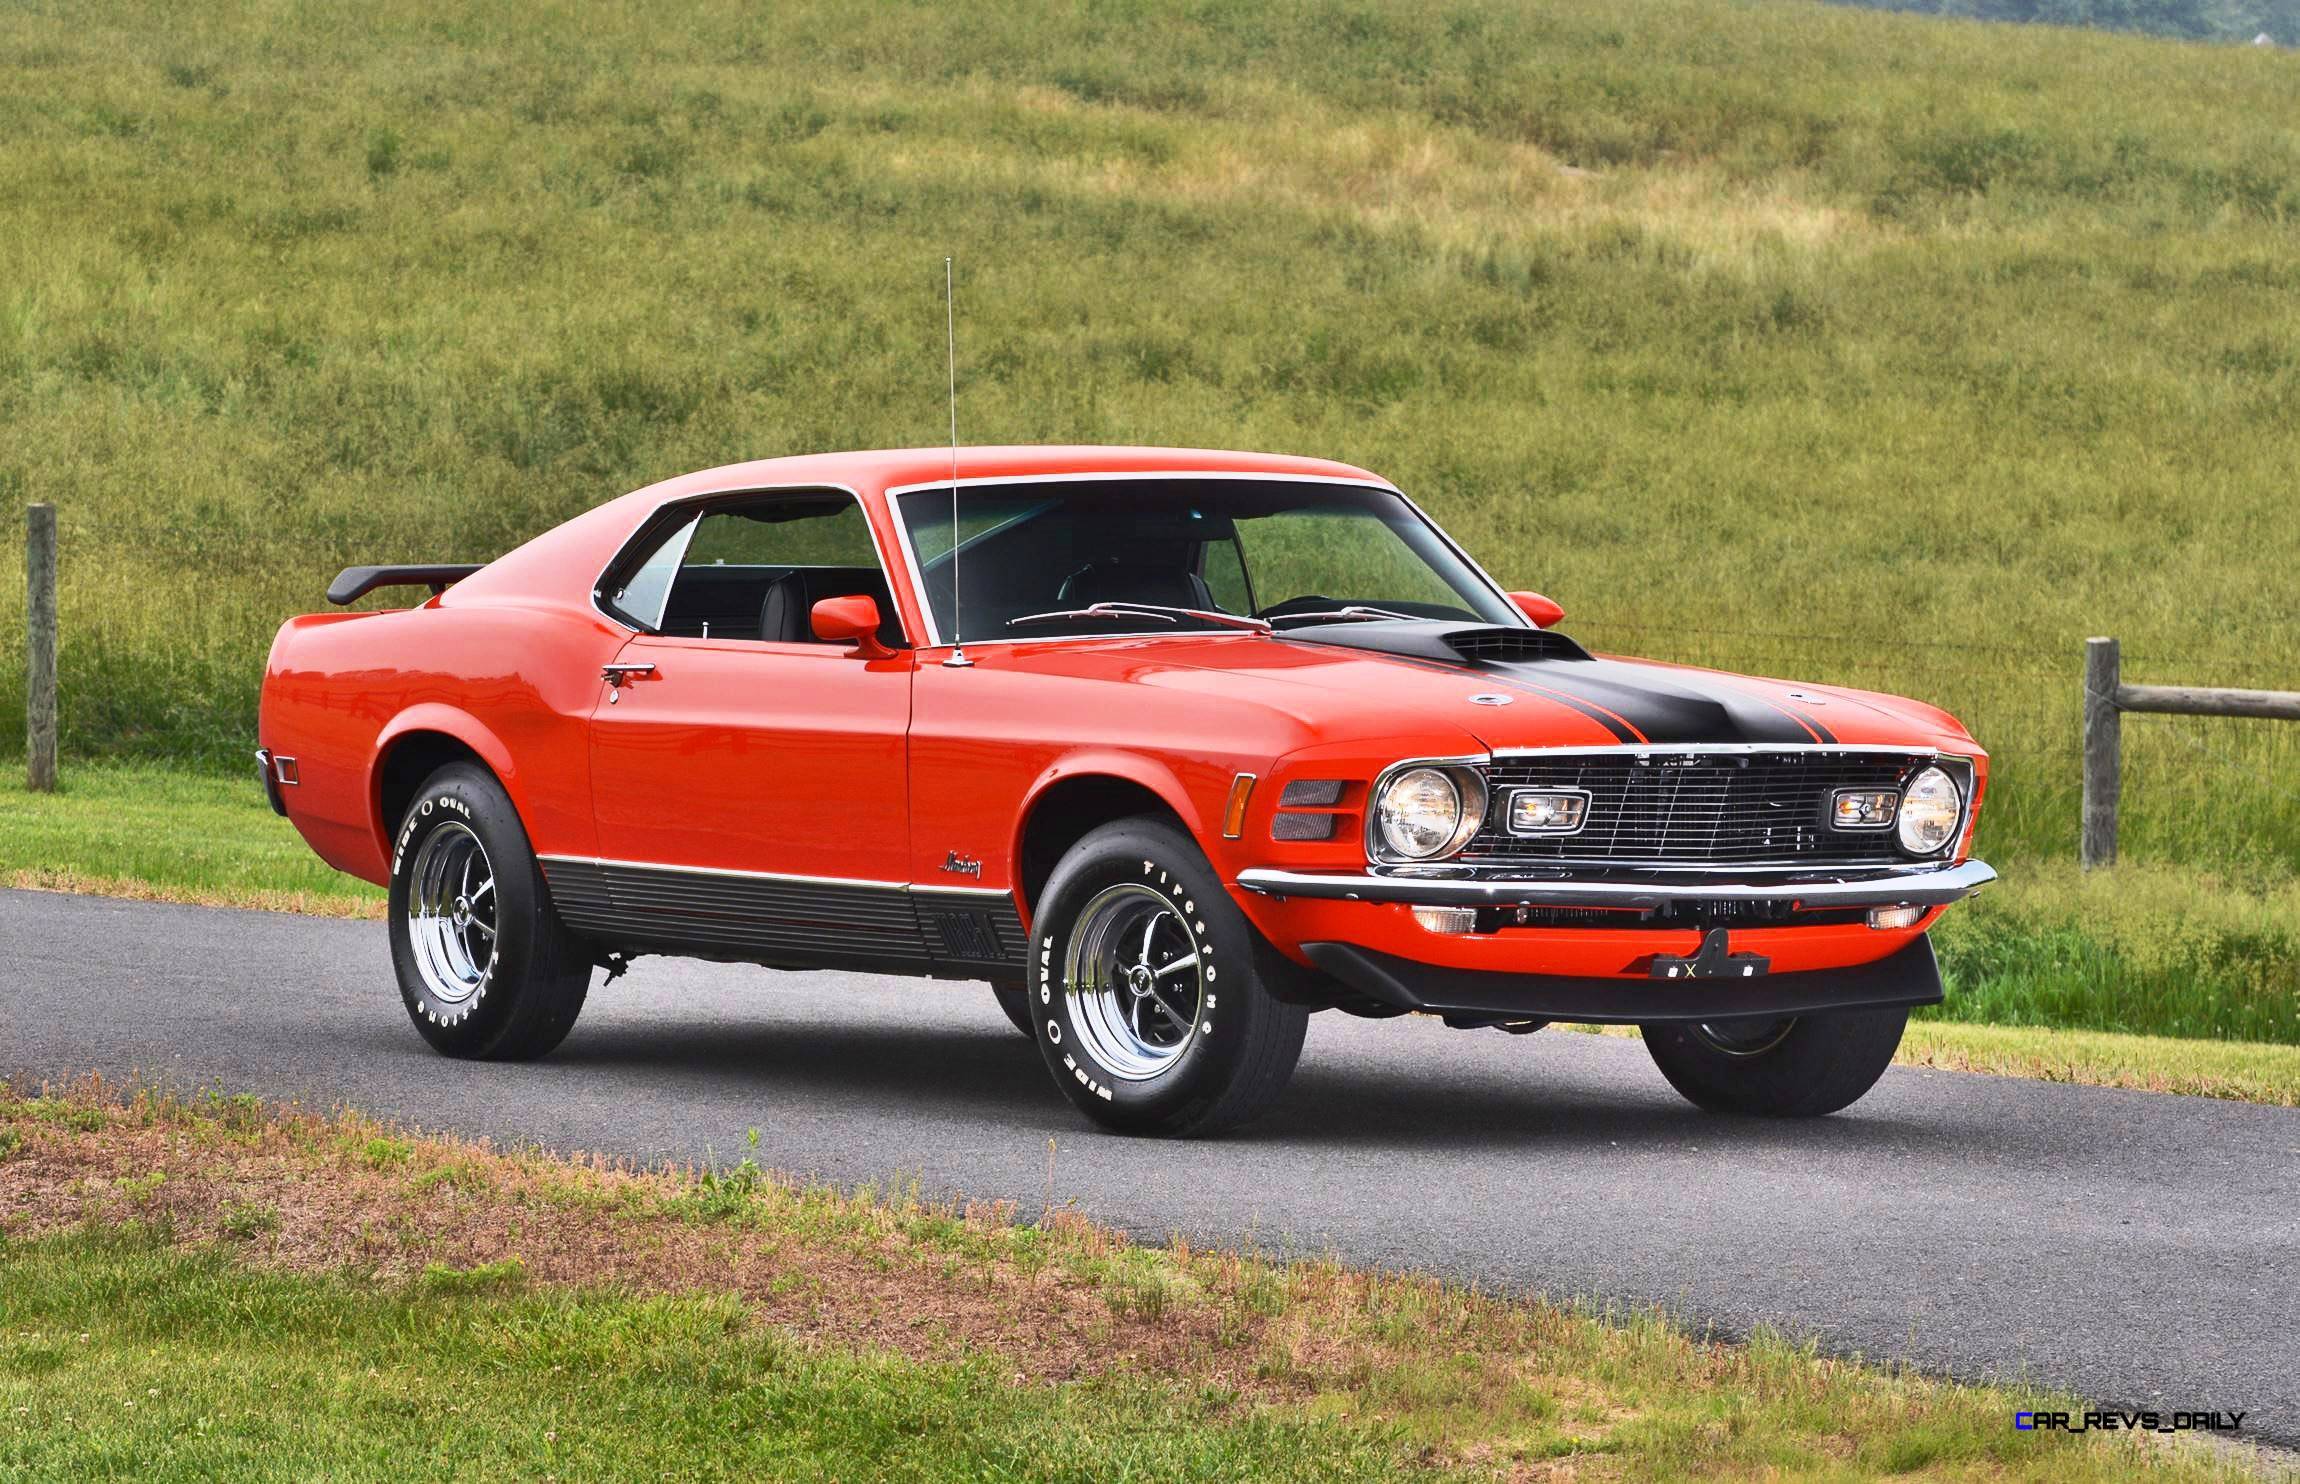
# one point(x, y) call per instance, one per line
point(2137, 1249)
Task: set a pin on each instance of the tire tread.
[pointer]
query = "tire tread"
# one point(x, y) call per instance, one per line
point(1829, 1062)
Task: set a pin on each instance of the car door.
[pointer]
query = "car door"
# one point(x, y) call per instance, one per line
point(749, 781)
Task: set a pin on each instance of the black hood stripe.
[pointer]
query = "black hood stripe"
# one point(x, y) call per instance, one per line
point(1613, 721)
point(1640, 704)
point(1622, 731)
point(1798, 714)
point(1667, 706)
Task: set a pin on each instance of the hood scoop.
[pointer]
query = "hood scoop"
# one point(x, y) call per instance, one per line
point(1446, 643)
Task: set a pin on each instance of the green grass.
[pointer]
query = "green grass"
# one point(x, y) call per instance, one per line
point(2241, 1071)
point(1795, 338)
point(126, 1358)
point(133, 829)
point(2140, 949)
point(175, 1303)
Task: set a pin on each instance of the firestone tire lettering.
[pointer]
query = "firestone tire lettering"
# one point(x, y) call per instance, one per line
point(1237, 1051)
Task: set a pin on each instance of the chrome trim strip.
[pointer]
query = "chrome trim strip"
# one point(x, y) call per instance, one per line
point(910, 562)
point(1651, 748)
point(1516, 614)
point(600, 860)
point(1926, 886)
point(1104, 476)
point(1561, 867)
point(785, 876)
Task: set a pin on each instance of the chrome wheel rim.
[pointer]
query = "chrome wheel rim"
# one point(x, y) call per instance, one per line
point(451, 915)
point(1745, 1037)
point(1136, 982)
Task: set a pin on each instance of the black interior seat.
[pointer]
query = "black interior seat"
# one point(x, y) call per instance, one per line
point(1114, 581)
point(775, 604)
point(786, 614)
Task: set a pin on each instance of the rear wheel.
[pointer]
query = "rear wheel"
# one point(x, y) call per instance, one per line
point(485, 966)
point(1798, 1067)
point(1144, 994)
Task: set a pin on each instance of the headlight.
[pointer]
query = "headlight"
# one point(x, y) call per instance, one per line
point(1931, 810)
point(1422, 813)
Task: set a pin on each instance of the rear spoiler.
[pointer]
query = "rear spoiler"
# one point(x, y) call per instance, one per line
point(354, 583)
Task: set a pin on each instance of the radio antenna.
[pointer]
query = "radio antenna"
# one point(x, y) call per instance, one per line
point(958, 659)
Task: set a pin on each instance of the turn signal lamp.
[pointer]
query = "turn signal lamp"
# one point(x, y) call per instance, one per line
point(1234, 813)
point(1885, 918)
point(1447, 919)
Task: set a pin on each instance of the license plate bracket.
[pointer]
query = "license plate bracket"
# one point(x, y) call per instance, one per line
point(1715, 960)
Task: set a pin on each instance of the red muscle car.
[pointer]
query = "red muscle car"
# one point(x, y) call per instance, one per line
point(1172, 747)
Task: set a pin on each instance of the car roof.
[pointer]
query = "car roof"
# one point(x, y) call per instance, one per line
point(540, 569)
point(876, 470)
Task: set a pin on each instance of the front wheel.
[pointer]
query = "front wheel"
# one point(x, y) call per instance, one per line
point(1144, 993)
point(1799, 1067)
point(1014, 998)
point(485, 966)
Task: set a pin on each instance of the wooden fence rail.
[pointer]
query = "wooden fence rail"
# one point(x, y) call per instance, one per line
point(2107, 698)
point(40, 648)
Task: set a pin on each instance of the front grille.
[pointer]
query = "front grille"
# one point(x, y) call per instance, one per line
point(1696, 808)
point(1675, 917)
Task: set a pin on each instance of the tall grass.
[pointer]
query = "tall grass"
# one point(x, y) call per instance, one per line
point(1847, 346)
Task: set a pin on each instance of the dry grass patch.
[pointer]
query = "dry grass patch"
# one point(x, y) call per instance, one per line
point(262, 899)
point(1417, 1373)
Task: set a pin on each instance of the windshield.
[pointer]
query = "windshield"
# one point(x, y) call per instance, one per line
point(1035, 557)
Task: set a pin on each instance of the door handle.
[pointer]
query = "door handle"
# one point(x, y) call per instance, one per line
point(615, 675)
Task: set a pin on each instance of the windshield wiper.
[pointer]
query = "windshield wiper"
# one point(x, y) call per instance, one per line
point(1350, 613)
point(1162, 612)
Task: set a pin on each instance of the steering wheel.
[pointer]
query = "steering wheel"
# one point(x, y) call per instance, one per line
point(1307, 603)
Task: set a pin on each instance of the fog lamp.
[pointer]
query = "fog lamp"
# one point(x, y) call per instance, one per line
point(1547, 811)
point(1447, 919)
point(1883, 918)
point(1864, 809)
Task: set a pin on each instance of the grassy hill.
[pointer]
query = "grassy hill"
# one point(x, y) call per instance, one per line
point(1848, 346)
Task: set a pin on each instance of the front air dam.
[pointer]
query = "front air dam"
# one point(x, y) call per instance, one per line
point(1910, 976)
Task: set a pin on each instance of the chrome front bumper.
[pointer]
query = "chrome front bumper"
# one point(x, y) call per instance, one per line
point(1896, 886)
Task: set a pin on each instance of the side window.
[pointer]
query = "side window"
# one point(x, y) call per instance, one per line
point(641, 595)
point(754, 569)
point(811, 531)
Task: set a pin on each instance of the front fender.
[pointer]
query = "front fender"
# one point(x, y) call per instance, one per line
point(1195, 799)
point(1128, 767)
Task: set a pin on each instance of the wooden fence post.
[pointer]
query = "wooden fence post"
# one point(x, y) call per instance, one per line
point(40, 645)
point(2103, 752)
